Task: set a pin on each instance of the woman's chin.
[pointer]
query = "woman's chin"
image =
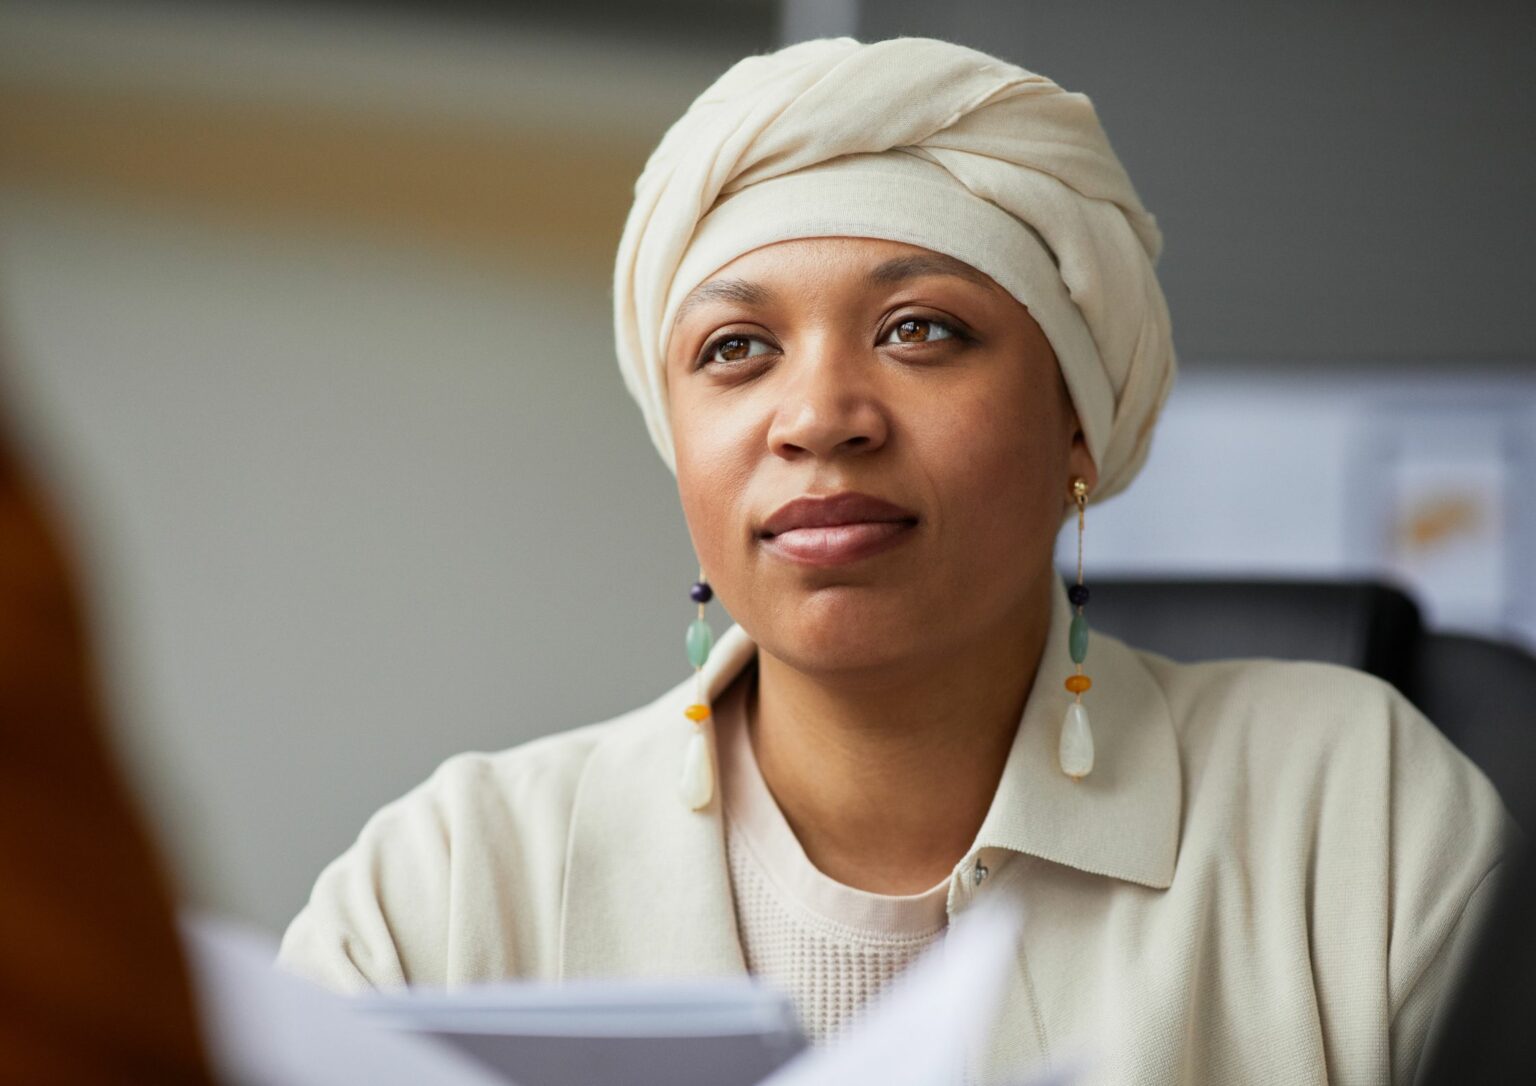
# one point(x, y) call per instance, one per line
point(849, 632)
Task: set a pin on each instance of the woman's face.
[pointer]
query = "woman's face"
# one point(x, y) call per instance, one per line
point(808, 373)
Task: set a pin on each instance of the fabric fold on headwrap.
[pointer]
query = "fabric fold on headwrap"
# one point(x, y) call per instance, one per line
point(925, 142)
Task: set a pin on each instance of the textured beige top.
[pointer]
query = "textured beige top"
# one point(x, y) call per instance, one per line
point(1268, 877)
point(832, 947)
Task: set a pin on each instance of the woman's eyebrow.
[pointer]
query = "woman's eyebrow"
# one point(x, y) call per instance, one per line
point(891, 271)
point(919, 264)
point(723, 290)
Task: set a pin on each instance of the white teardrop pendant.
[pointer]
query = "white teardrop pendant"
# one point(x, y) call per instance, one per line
point(697, 785)
point(1076, 743)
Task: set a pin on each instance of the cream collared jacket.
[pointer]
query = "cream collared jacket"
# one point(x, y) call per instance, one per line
point(1269, 877)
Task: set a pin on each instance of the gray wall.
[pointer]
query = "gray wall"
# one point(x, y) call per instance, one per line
point(1336, 181)
point(343, 510)
point(345, 502)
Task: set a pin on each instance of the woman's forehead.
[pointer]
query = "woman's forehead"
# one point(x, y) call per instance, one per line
point(872, 262)
point(857, 255)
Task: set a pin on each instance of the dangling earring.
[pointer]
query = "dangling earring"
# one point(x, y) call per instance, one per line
point(1076, 751)
point(697, 785)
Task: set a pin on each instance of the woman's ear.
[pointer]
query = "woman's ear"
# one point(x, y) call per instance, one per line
point(1080, 460)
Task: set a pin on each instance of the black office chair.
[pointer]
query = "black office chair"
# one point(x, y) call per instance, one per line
point(1480, 693)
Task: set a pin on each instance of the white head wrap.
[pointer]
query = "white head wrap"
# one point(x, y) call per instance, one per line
point(924, 142)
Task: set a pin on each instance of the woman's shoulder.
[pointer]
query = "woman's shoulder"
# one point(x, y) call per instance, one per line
point(523, 792)
point(1346, 799)
point(538, 772)
point(1269, 682)
point(1305, 735)
point(1292, 710)
point(484, 835)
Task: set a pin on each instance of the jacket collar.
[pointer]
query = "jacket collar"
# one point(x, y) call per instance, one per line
point(1122, 820)
point(647, 890)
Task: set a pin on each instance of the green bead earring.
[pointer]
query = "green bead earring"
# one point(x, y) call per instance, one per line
point(697, 785)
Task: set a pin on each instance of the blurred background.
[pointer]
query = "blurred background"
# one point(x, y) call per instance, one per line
point(304, 316)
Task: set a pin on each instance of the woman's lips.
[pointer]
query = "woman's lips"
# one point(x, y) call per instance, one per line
point(828, 530)
point(837, 544)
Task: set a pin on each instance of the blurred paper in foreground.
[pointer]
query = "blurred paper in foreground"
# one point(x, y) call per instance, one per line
point(266, 1028)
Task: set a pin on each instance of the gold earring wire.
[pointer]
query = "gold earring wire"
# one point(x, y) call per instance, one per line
point(1080, 495)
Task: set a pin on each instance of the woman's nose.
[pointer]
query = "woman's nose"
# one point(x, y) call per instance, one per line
point(829, 409)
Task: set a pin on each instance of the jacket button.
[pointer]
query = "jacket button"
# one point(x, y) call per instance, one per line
point(979, 874)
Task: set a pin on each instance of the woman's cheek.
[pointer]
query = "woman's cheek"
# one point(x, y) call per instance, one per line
point(712, 481)
point(1011, 474)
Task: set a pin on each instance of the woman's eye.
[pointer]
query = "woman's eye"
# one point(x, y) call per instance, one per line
point(732, 349)
point(922, 330)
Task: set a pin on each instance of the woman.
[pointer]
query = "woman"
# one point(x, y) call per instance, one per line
point(890, 311)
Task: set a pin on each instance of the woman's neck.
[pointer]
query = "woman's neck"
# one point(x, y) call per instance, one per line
point(886, 782)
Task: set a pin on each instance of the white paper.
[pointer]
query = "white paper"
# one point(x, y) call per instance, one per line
point(263, 1027)
point(730, 1031)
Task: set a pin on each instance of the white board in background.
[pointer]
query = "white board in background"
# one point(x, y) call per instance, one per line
point(1304, 471)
